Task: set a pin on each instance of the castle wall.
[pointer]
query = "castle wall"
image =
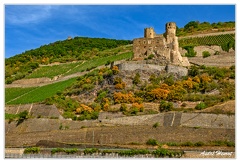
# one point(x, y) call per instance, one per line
point(143, 47)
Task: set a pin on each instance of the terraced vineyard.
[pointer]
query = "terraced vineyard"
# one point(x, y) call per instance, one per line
point(51, 71)
point(207, 40)
point(70, 68)
point(35, 94)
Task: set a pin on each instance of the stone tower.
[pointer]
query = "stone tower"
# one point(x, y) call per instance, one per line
point(149, 32)
point(170, 31)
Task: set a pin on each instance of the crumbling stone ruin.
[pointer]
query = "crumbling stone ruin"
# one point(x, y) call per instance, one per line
point(160, 46)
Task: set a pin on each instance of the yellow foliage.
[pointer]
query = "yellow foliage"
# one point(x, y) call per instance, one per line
point(78, 110)
point(88, 80)
point(83, 108)
point(106, 107)
point(196, 79)
point(125, 98)
point(205, 78)
point(188, 84)
point(165, 86)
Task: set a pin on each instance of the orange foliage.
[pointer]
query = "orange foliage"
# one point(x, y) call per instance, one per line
point(138, 106)
point(120, 85)
point(115, 70)
point(159, 93)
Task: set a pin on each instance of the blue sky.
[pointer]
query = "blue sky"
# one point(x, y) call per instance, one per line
point(30, 26)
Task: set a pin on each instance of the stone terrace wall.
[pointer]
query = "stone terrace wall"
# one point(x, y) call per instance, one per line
point(131, 66)
point(203, 120)
point(172, 119)
point(35, 110)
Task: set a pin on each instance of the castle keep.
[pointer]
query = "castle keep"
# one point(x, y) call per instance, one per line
point(162, 47)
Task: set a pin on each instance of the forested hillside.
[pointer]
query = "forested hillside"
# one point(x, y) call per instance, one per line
point(195, 27)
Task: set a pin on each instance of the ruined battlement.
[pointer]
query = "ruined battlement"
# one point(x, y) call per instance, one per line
point(159, 45)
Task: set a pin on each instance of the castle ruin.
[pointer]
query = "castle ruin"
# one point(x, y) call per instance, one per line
point(160, 47)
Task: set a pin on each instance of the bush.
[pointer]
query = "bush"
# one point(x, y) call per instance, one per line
point(90, 151)
point(165, 152)
point(187, 144)
point(190, 51)
point(71, 151)
point(193, 71)
point(169, 80)
point(152, 142)
point(151, 56)
point(136, 79)
point(32, 150)
point(156, 125)
point(123, 107)
point(199, 144)
point(115, 70)
point(200, 106)
point(205, 54)
point(165, 106)
point(56, 150)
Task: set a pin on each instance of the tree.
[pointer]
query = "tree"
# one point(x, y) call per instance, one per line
point(191, 26)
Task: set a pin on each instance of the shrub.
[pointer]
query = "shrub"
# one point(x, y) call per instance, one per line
point(200, 106)
point(117, 80)
point(150, 56)
point(115, 70)
point(199, 144)
point(159, 93)
point(193, 71)
point(190, 51)
point(136, 79)
point(165, 106)
point(56, 150)
point(205, 54)
point(90, 151)
point(32, 150)
point(71, 151)
point(187, 144)
point(164, 152)
point(123, 107)
point(156, 125)
point(169, 80)
point(152, 142)
point(120, 85)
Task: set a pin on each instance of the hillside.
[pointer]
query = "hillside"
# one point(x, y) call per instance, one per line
point(98, 97)
point(76, 49)
point(196, 27)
